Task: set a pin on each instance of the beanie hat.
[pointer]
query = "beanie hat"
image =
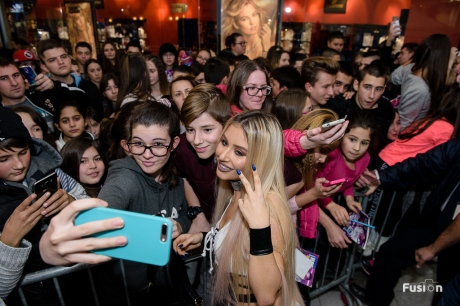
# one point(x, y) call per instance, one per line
point(11, 126)
point(24, 55)
point(168, 47)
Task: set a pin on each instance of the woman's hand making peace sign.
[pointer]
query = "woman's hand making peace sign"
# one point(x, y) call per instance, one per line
point(253, 206)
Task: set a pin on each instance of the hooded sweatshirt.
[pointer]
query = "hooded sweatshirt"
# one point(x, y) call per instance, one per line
point(44, 160)
point(129, 188)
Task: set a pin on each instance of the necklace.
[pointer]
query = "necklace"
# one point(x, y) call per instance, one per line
point(253, 47)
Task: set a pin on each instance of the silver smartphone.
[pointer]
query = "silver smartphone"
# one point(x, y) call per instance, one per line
point(329, 125)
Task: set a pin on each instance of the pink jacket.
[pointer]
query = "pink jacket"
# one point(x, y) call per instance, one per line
point(308, 220)
point(292, 146)
point(308, 217)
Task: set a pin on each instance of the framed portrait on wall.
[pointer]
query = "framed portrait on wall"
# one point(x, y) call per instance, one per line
point(80, 25)
point(335, 6)
point(256, 20)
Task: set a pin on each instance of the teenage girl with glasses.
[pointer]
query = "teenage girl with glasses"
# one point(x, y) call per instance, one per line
point(249, 89)
point(144, 182)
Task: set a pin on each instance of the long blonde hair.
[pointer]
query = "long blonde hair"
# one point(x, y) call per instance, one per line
point(306, 164)
point(231, 12)
point(265, 150)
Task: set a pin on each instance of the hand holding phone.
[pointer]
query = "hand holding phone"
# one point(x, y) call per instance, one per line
point(396, 25)
point(153, 248)
point(47, 184)
point(64, 243)
point(329, 125)
point(22, 220)
point(336, 182)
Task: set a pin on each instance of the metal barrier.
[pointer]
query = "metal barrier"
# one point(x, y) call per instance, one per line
point(338, 277)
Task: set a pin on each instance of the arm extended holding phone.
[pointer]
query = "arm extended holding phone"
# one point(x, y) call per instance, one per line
point(324, 135)
point(38, 82)
point(63, 243)
point(88, 232)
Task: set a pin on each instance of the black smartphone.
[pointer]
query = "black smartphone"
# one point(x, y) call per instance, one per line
point(47, 184)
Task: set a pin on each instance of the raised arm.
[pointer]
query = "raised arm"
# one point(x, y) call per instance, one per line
point(265, 265)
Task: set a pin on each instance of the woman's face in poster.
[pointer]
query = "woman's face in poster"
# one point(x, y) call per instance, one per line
point(248, 20)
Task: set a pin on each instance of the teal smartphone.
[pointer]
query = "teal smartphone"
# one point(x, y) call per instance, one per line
point(149, 237)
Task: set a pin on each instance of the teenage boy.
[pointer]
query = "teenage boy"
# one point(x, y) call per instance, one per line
point(336, 41)
point(284, 78)
point(407, 51)
point(297, 60)
point(54, 57)
point(317, 76)
point(368, 58)
point(24, 161)
point(26, 58)
point(13, 91)
point(217, 72)
point(133, 47)
point(369, 87)
point(332, 53)
point(343, 79)
point(83, 53)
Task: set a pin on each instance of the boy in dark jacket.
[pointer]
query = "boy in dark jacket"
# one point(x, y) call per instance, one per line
point(369, 87)
point(24, 161)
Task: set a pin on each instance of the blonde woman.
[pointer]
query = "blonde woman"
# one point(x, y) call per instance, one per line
point(247, 18)
point(81, 29)
point(252, 238)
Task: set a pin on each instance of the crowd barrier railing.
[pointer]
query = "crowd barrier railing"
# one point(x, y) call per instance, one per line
point(348, 261)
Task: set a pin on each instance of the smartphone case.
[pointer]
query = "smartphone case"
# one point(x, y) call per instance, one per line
point(143, 232)
point(48, 183)
point(29, 74)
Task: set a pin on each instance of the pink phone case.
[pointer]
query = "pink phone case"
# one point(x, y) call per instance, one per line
point(339, 181)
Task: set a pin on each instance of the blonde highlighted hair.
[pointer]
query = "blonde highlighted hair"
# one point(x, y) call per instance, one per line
point(306, 164)
point(231, 12)
point(265, 150)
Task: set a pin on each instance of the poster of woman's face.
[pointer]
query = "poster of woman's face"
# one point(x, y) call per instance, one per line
point(255, 20)
point(80, 25)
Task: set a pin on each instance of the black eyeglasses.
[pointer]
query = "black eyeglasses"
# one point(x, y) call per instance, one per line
point(158, 150)
point(241, 43)
point(253, 91)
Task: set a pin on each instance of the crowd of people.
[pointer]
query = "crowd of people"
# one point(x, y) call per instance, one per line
point(233, 151)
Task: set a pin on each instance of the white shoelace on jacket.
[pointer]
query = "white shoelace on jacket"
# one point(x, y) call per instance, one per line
point(209, 246)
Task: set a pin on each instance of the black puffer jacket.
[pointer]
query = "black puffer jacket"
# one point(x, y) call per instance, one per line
point(441, 166)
